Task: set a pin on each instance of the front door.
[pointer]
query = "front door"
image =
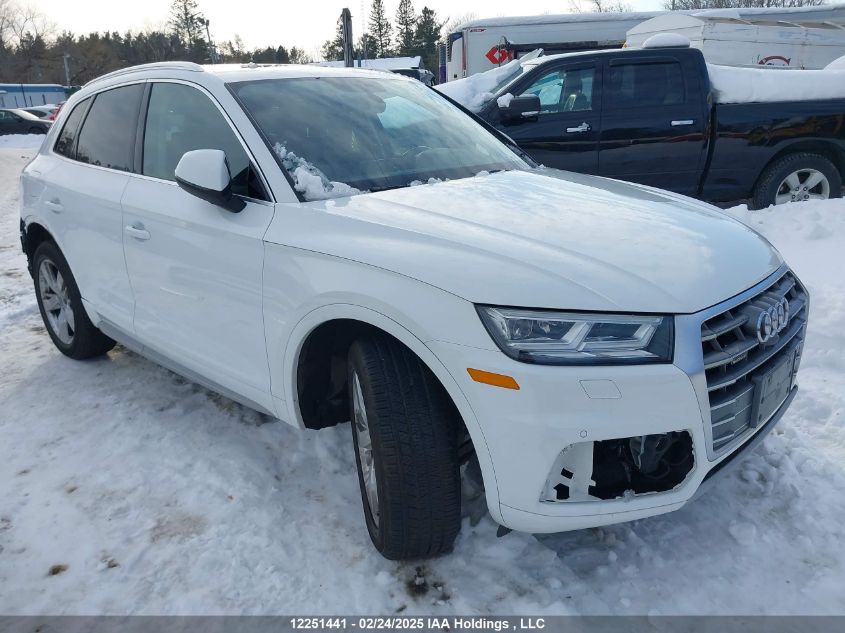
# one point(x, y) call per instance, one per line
point(566, 132)
point(196, 268)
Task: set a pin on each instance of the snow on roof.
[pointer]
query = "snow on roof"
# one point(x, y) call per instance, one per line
point(385, 63)
point(824, 13)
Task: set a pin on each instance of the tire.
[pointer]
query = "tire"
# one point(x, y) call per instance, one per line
point(37, 130)
point(772, 183)
point(413, 432)
point(61, 307)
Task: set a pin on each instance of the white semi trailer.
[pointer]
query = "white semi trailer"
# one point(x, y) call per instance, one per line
point(483, 44)
point(731, 40)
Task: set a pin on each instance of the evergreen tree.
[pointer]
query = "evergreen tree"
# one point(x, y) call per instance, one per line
point(332, 50)
point(426, 36)
point(406, 22)
point(380, 30)
point(187, 24)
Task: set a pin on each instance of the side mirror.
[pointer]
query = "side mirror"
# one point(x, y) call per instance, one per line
point(525, 108)
point(204, 173)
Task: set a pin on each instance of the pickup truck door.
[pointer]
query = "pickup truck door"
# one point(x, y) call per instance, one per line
point(653, 128)
point(566, 132)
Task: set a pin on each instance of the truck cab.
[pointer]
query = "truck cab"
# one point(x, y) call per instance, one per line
point(636, 115)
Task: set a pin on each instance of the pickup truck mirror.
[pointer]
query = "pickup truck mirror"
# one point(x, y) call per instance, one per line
point(524, 108)
point(204, 173)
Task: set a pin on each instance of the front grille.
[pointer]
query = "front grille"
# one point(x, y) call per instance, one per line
point(737, 364)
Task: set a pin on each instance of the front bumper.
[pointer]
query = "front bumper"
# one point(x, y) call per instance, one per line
point(526, 430)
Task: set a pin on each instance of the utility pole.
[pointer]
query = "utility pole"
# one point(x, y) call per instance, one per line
point(65, 58)
point(212, 49)
point(346, 28)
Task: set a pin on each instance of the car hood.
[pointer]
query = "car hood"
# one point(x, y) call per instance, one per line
point(544, 239)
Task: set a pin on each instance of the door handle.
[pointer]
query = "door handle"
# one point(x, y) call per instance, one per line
point(584, 127)
point(54, 205)
point(137, 231)
point(683, 122)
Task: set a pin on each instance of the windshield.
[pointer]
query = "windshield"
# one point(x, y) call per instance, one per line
point(338, 136)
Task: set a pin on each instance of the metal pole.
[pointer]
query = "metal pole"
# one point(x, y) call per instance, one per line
point(66, 57)
point(346, 28)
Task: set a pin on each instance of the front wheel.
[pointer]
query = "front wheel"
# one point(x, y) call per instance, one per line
point(797, 178)
point(405, 434)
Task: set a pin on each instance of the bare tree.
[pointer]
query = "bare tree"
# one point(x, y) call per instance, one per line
point(600, 6)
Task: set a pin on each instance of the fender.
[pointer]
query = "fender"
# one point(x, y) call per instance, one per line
point(330, 312)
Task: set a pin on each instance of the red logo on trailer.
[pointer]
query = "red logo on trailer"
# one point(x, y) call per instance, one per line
point(498, 56)
point(775, 60)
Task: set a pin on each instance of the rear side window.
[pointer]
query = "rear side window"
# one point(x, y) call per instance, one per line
point(646, 85)
point(65, 144)
point(108, 134)
point(181, 119)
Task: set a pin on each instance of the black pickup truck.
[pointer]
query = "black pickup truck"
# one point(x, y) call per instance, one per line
point(648, 116)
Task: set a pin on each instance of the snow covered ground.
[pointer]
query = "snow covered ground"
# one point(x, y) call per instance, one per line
point(125, 489)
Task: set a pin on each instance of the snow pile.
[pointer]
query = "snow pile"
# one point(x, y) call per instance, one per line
point(310, 181)
point(752, 85)
point(505, 100)
point(836, 64)
point(22, 141)
point(476, 90)
point(667, 40)
point(125, 489)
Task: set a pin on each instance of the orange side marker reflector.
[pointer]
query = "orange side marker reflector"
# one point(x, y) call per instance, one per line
point(489, 378)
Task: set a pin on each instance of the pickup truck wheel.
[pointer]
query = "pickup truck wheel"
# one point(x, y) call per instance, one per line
point(61, 306)
point(405, 433)
point(796, 178)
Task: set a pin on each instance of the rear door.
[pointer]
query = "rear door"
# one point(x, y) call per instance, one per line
point(654, 121)
point(566, 132)
point(84, 181)
point(196, 268)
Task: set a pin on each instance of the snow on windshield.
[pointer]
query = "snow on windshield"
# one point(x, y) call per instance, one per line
point(476, 90)
point(310, 181)
point(754, 85)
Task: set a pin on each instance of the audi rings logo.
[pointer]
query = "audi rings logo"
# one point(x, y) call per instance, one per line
point(772, 321)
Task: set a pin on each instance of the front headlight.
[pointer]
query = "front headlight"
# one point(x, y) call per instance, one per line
point(572, 338)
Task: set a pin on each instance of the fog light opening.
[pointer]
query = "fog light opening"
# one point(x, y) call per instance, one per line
point(614, 469)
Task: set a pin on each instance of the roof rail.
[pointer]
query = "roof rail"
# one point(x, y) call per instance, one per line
point(190, 66)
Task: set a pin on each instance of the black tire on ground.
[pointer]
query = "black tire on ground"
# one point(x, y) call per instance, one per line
point(37, 130)
point(414, 429)
point(87, 341)
point(774, 174)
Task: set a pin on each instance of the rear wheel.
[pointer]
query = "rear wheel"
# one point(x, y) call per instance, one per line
point(797, 178)
point(405, 434)
point(61, 306)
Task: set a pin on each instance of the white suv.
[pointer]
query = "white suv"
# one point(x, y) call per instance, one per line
point(325, 245)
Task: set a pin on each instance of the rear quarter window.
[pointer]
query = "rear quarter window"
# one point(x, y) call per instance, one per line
point(107, 137)
point(65, 145)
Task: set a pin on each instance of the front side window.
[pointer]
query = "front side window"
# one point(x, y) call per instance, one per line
point(337, 136)
point(646, 85)
point(107, 137)
point(181, 119)
point(564, 90)
point(65, 144)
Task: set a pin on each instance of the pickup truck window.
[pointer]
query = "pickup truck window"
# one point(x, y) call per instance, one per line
point(369, 133)
point(564, 90)
point(645, 85)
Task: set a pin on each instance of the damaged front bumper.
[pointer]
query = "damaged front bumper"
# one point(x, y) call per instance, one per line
point(584, 446)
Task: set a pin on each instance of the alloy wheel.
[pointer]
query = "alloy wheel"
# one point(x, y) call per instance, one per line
point(55, 299)
point(364, 446)
point(803, 184)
